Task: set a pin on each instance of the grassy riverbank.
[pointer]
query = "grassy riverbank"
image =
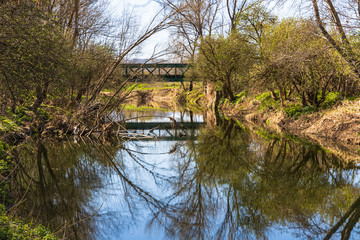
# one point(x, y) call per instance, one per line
point(336, 119)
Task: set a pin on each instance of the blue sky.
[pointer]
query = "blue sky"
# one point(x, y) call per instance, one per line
point(146, 10)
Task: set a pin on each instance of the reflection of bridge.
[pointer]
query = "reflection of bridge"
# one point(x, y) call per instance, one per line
point(172, 72)
point(164, 131)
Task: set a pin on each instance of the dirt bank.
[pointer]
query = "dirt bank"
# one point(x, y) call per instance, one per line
point(337, 129)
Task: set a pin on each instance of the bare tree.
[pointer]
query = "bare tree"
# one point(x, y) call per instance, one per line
point(234, 9)
point(128, 42)
point(192, 20)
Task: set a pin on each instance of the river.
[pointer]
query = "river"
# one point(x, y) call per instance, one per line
point(183, 182)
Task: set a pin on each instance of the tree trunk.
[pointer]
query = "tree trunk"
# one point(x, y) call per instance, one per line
point(191, 87)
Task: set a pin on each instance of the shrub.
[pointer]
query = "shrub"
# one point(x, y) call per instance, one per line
point(11, 229)
point(267, 102)
point(331, 99)
point(296, 110)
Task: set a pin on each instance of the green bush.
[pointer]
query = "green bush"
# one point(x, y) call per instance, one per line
point(331, 99)
point(296, 110)
point(267, 102)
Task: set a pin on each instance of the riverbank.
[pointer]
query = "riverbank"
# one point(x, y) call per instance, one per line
point(339, 123)
point(165, 96)
point(336, 126)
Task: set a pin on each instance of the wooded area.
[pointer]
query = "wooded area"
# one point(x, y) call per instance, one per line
point(57, 56)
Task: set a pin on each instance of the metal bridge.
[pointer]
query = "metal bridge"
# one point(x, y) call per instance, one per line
point(171, 72)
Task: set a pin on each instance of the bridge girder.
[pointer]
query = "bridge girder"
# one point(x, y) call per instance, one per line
point(168, 71)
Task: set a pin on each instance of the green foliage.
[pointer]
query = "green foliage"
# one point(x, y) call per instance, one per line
point(253, 20)
point(263, 97)
point(37, 57)
point(3, 148)
point(226, 62)
point(331, 99)
point(240, 97)
point(7, 125)
point(267, 102)
point(293, 111)
point(20, 115)
point(13, 229)
point(45, 115)
point(295, 57)
point(296, 110)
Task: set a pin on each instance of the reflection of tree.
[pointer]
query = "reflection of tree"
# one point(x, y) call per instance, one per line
point(261, 183)
point(63, 175)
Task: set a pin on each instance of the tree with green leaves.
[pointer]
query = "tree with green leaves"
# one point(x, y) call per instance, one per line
point(295, 59)
point(34, 55)
point(226, 62)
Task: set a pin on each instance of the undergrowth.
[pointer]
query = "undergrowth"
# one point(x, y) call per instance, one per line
point(293, 108)
point(13, 229)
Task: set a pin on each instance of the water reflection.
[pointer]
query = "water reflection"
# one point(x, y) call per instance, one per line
point(229, 183)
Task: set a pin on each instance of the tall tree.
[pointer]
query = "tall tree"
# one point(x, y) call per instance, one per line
point(225, 62)
point(330, 13)
point(34, 56)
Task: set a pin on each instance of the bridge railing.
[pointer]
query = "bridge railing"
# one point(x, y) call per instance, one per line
point(167, 71)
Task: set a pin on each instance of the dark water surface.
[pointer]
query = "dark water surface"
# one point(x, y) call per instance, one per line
point(213, 182)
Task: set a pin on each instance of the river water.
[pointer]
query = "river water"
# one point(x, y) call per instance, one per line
point(183, 182)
